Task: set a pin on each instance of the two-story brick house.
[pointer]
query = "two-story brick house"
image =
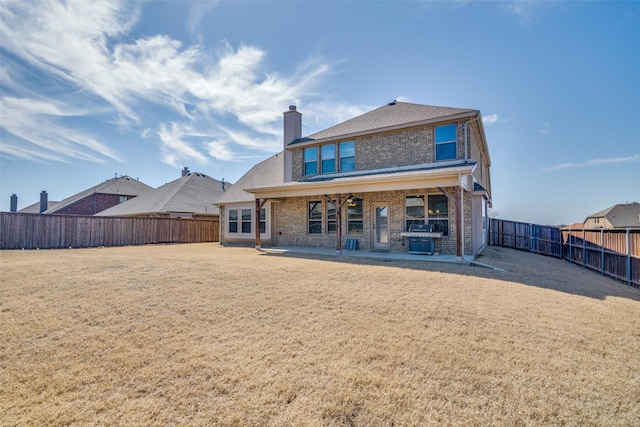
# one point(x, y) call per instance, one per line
point(368, 180)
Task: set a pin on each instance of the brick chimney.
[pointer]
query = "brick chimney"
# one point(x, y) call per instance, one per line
point(292, 131)
point(44, 202)
point(14, 203)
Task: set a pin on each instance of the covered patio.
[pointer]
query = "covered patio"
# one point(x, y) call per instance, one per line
point(393, 256)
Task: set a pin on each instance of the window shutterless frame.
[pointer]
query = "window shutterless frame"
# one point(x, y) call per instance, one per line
point(445, 142)
point(347, 151)
point(310, 160)
point(315, 217)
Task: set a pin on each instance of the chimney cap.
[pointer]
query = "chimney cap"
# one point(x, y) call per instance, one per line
point(292, 108)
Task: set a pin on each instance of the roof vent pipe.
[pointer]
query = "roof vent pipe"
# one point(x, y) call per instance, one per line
point(185, 171)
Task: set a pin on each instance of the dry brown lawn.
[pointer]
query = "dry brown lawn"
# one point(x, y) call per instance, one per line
point(204, 335)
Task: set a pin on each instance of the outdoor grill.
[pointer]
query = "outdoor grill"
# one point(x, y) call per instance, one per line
point(420, 239)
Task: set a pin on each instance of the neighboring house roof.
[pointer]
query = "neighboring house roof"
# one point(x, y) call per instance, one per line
point(388, 116)
point(621, 216)
point(192, 193)
point(35, 208)
point(124, 185)
point(266, 173)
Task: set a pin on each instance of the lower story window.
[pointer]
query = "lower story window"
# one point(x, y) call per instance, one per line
point(315, 217)
point(241, 222)
point(354, 216)
point(439, 213)
point(233, 221)
point(413, 211)
point(246, 220)
point(263, 221)
point(331, 217)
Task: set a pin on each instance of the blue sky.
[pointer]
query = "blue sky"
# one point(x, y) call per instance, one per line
point(91, 89)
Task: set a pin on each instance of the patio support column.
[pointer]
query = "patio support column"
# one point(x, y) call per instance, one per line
point(457, 201)
point(259, 204)
point(338, 202)
point(459, 222)
point(338, 206)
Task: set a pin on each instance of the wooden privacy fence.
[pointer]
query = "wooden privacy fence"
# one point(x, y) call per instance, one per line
point(613, 253)
point(37, 231)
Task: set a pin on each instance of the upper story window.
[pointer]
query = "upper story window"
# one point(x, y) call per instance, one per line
point(333, 158)
point(311, 161)
point(446, 148)
point(328, 156)
point(347, 156)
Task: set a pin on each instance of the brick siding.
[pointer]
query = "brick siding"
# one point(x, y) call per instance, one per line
point(91, 204)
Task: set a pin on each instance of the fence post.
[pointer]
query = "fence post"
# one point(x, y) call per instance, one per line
point(602, 251)
point(628, 258)
point(584, 248)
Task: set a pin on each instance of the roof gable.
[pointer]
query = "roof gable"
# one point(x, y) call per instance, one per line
point(388, 116)
point(267, 173)
point(124, 185)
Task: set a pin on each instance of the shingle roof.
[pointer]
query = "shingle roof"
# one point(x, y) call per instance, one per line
point(622, 215)
point(35, 208)
point(192, 193)
point(267, 173)
point(389, 115)
point(124, 185)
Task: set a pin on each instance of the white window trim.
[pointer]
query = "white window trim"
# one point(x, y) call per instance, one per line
point(252, 235)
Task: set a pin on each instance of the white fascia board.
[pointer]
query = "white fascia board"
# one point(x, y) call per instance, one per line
point(353, 135)
point(399, 181)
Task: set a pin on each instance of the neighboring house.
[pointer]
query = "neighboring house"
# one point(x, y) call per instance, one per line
point(369, 179)
point(616, 217)
point(41, 206)
point(190, 196)
point(93, 200)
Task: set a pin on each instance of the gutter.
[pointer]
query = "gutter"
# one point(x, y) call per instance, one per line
point(466, 132)
point(348, 183)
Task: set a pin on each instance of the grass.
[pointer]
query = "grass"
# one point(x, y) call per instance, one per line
point(204, 335)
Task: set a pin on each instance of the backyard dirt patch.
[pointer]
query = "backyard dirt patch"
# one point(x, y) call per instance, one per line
point(200, 334)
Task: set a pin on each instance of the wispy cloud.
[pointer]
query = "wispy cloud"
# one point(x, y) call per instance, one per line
point(546, 128)
point(153, 86)
point(525, 11)
point(197, 11)
point(491, 118)
point(593, 162)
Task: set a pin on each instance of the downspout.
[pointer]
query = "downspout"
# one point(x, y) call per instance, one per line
point(466, 138)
